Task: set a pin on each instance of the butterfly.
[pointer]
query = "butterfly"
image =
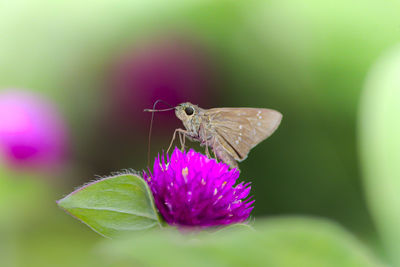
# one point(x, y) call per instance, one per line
point(230, 132)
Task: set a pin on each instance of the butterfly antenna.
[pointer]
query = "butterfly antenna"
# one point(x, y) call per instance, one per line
point(151, 123)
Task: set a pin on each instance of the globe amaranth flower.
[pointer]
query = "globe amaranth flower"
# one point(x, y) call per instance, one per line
point(192, 190)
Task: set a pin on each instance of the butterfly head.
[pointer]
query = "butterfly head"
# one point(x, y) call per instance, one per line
point(186, 111)
point(188, 114)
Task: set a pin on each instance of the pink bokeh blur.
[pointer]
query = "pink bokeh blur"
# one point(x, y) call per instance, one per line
point(174, 69)
point(33, 134)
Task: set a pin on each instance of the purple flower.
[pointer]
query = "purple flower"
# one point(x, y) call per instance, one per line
point(193, 190)
point(32, 132)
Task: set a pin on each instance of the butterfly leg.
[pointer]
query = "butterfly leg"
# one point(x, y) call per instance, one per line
point(210, 144)
point(213, 142)
point(183, 142)
point(207, 151)
point(179, 131)
point(204, 136)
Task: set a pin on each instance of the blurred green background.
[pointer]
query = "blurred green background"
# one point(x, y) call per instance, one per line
point(100, 63)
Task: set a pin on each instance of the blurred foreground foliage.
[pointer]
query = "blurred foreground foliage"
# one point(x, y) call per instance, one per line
point(278, 242)
point(379, 131)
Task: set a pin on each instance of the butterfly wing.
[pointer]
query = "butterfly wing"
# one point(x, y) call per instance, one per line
point(240, 129)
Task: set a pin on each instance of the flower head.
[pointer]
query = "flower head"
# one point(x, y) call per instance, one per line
point(193, 190)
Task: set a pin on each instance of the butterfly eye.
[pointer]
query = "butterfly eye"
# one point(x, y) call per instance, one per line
point(189, 111)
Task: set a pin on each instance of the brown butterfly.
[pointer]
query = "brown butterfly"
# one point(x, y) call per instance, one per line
point(230, 132)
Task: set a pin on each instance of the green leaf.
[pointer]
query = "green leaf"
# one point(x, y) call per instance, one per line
point(283, 242)
point(113, 205)
point(379, 132)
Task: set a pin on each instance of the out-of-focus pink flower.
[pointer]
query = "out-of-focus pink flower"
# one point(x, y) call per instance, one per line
point(32, 132)
point(170, 68)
